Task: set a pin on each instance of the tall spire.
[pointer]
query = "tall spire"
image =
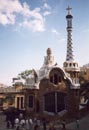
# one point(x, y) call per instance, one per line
point(69, 17)
point(70, 65)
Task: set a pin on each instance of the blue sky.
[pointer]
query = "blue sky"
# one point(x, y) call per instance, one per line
point(29, 27)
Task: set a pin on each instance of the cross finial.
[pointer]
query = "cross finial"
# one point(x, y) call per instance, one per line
point(68, 8)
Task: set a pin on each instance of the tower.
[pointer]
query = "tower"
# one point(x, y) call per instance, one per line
point(70, 65)
point(69, 17)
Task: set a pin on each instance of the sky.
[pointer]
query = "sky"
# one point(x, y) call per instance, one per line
point(29, 27)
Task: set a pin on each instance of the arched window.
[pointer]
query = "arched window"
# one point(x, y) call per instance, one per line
point(49, 102)
point(51, 79)
point(55, 78)
point(70, 64)
point(74, 64)
point(59, 78)
point(54, 102)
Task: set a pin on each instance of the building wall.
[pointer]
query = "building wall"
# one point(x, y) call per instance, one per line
point(9, 97)
point(84, 74)
point(35, 100)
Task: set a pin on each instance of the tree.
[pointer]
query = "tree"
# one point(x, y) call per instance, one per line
point(10, 99)
point(25, 74)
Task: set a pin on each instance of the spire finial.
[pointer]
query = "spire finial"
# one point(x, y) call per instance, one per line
point(68, 8)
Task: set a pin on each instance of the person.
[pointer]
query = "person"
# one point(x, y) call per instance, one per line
point(63, 125)
point(77, 123)
point(35, 124)
point(8, 118)
point(27, 124)
point(17, 128)
point(36, 127)
point(12, 119)
point(44, 124)
point(22, 123)
point(51, 126)
point(20, 116)
point(17, 123)
point(30, 124)
point(8, 124)
point(23, 127)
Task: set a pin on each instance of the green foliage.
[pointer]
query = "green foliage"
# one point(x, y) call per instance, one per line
point(82, 79)
point(9, 98)
point(25, 74)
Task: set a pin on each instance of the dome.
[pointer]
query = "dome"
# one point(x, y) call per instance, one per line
point(49, 51)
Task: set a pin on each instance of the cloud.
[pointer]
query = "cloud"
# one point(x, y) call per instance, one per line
point(7, 19)
point(62, 40)
point(54, 31)
point(10, 10)
point(46, 9)
point(36, 25)
point(46, 13)
point(46, 6)
point(33, 19)
point(86, 31)
point(59, 36)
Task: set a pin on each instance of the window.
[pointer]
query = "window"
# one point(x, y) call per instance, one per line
point(1, 101)
point(69, 23)
point(22, 102)
point(51, 78)
point(60, 102)
point(54, 102)
point(74, 64)
point(70, 64)
point(56, 75)
point(55, 79)
point(18, 101)
point(65, 64)
point(37, 106)
point(49, 101)
point(31, 101)
point(59, 79)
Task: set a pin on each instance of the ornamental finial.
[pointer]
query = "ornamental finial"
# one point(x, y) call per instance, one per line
point(68, 8)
